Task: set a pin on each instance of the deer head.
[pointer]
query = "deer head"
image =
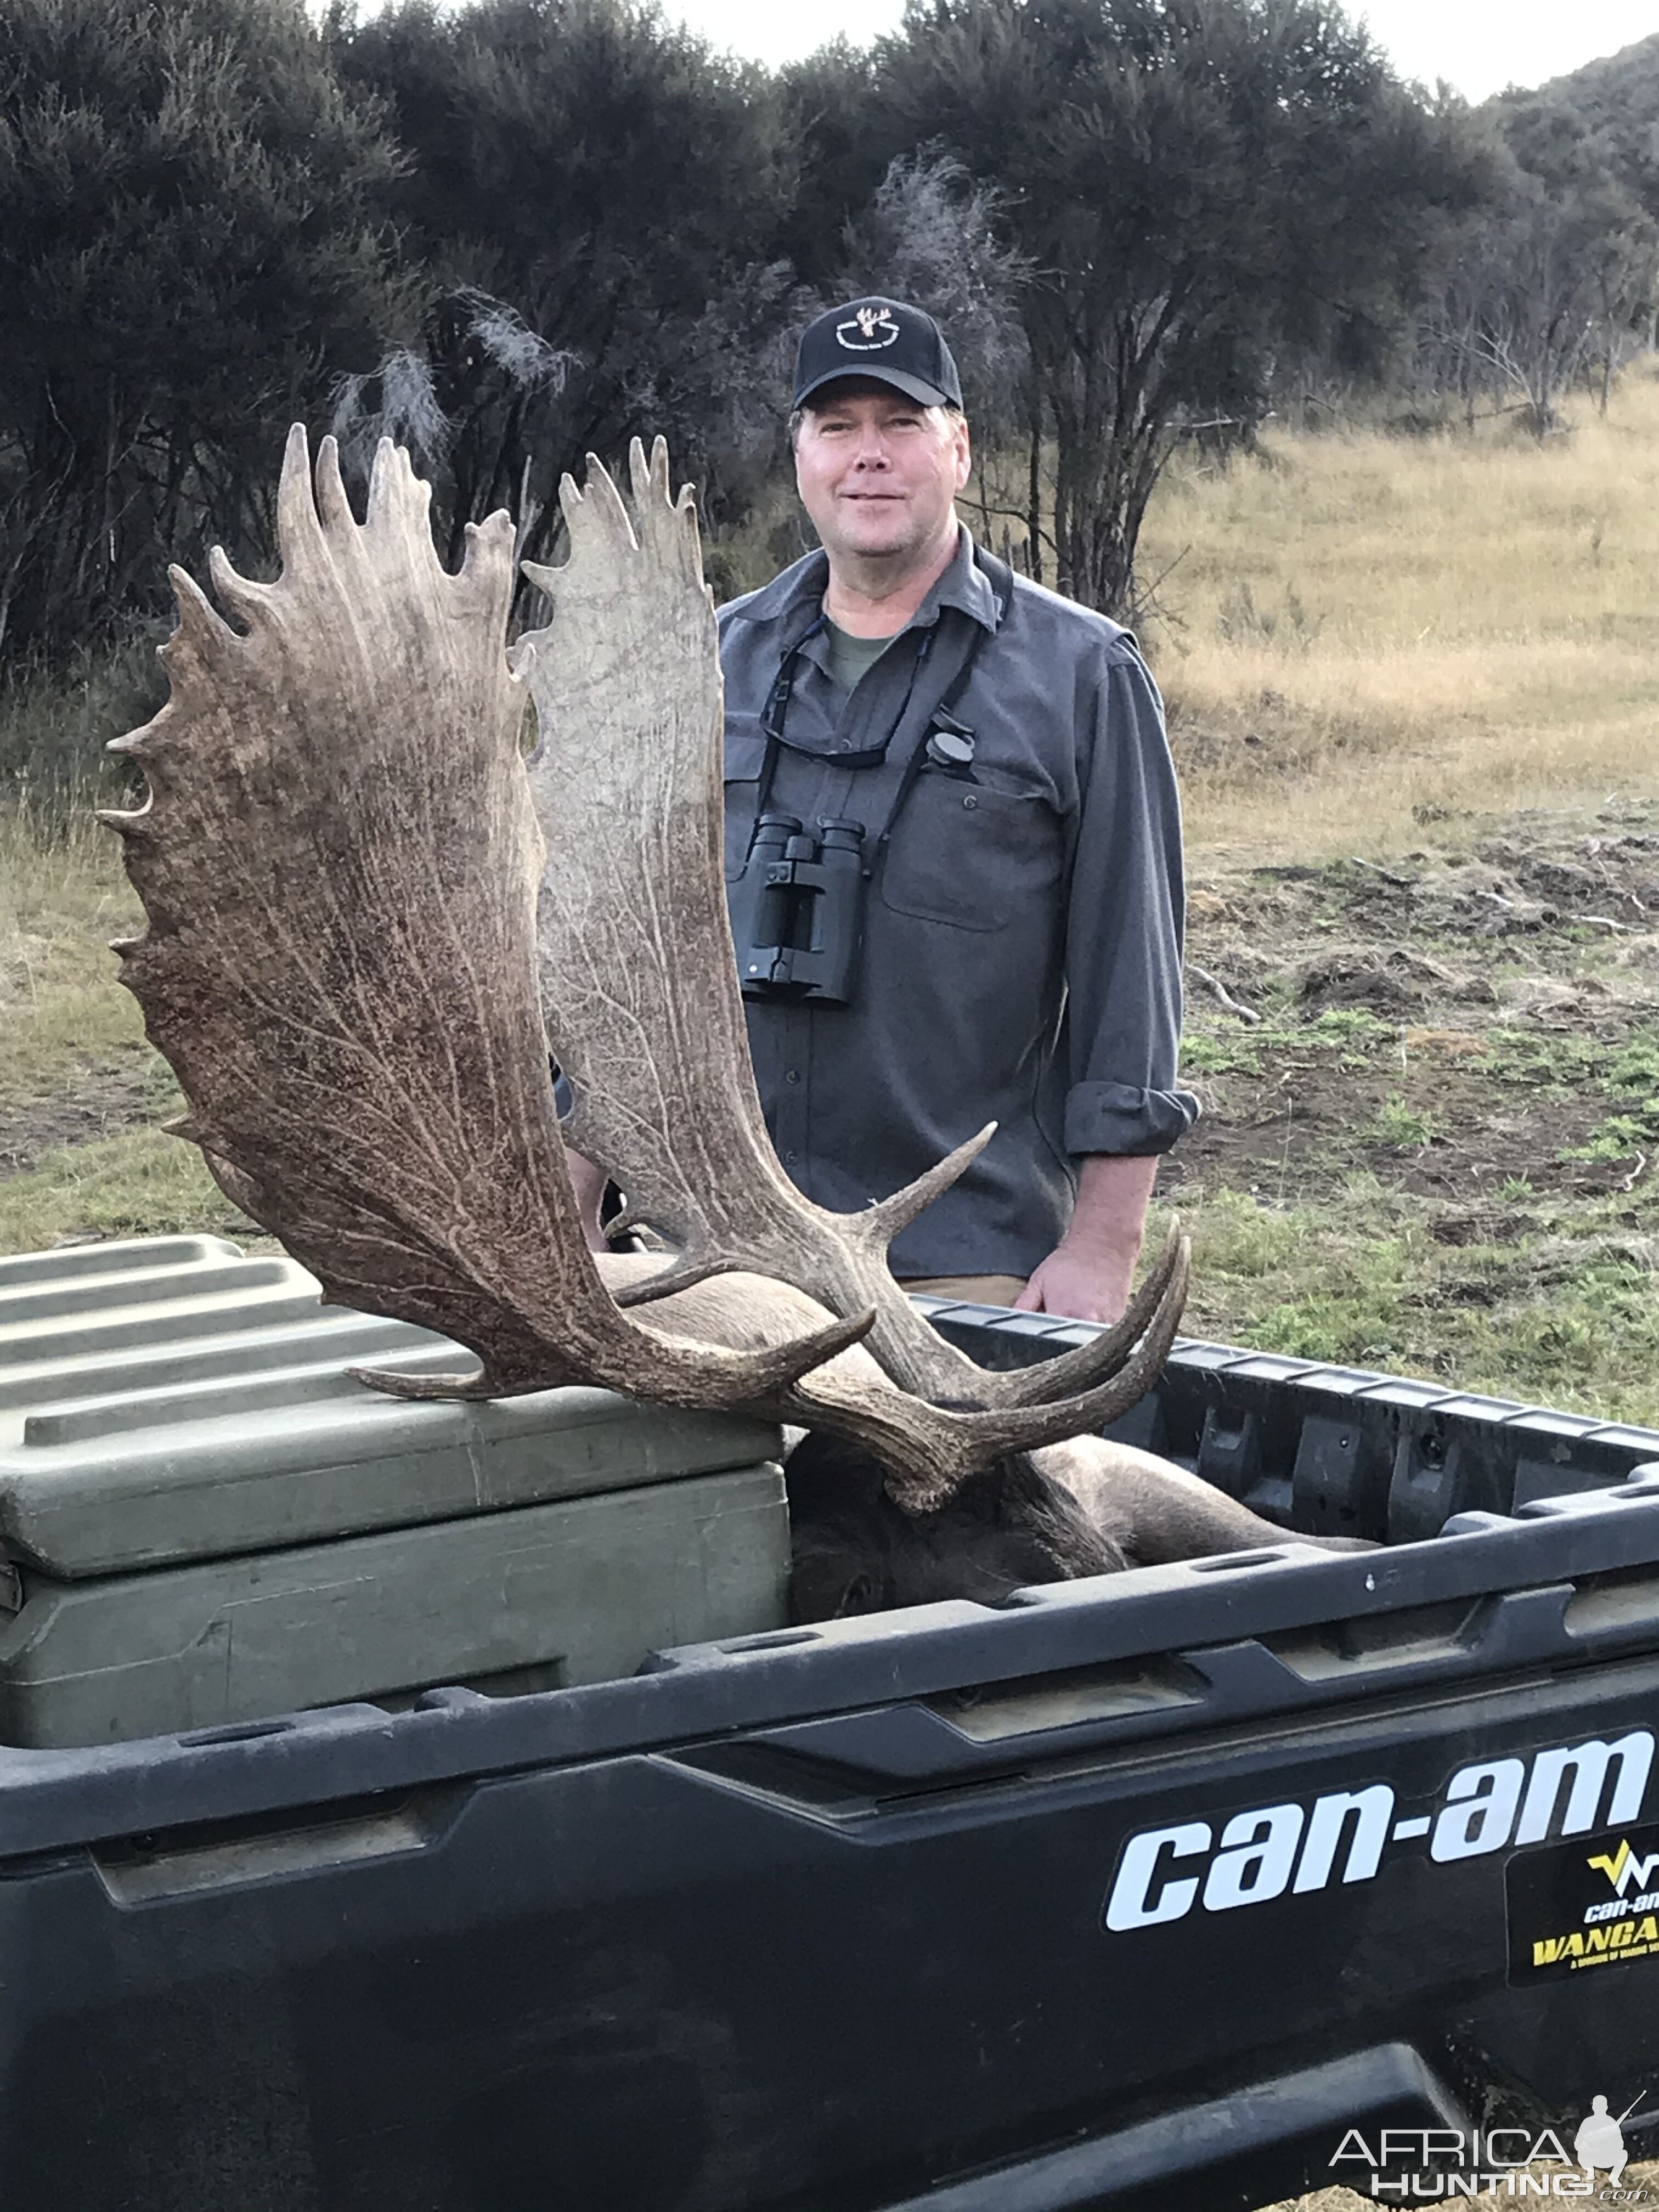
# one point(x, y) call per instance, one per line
point(340, 857)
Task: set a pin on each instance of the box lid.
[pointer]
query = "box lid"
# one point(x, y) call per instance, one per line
point(171, 1398)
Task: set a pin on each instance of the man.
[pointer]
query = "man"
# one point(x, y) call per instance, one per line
point(1019, 947)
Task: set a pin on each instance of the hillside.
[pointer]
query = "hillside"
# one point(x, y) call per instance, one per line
point(1615, 86)
point(1609, 109)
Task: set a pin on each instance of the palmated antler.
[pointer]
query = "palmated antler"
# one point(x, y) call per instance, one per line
point(339, 859)
point(926, 1452)
point(639, 979)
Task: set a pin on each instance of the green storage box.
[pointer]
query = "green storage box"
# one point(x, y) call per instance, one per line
point(205, 1520)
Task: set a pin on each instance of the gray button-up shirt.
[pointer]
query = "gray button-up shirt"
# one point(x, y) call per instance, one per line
point(1021, 959)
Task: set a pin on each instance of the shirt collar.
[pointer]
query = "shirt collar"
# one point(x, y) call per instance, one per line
point(797, 595)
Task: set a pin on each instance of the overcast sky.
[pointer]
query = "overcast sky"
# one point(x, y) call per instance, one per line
point(1478, 46)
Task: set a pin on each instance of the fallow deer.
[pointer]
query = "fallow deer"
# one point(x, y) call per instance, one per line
point(369, 916)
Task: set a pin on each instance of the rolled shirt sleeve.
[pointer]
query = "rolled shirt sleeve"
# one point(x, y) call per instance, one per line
point(1124, 921)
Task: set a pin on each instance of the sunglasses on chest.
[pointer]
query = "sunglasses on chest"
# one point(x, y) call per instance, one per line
point(775, 713)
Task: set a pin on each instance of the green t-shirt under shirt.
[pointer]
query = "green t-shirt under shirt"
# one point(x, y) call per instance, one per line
point(849, 656)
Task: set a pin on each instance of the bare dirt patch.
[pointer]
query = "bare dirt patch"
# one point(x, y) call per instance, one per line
point(1436, 1146)
point(107, 1101)
point(1474, 1014)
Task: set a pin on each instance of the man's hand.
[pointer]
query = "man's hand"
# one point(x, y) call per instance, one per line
point(1088, 1275)
point(1083, 1286)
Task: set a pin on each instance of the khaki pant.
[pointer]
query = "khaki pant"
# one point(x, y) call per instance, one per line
point(972, 1289)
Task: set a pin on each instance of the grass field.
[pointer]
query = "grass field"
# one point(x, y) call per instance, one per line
point(1411, 689)
point(1435, 1150)
point(1412, 692)
point(81, 1094)
point(1356, 627)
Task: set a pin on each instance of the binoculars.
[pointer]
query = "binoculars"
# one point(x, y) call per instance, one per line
point(798, 910)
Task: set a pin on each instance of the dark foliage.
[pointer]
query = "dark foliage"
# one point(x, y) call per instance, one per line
point(193, 233)
point(613, 188)
point(1609, 110)
point(1554, 281)
point(512, 232)
point(1196, 183)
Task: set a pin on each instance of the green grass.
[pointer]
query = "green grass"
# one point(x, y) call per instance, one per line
point(1564, 1314)
point(54, 725)
point(1401, 1126)
point(142, 1183)
point(1619, 1136)
point(1453, 1170)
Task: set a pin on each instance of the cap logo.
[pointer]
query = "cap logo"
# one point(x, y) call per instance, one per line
point(867, 330)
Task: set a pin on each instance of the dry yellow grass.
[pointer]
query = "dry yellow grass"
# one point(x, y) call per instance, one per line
point(1453, 621)
point(63, 897)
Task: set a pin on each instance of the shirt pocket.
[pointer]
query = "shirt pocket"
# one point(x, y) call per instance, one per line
point(969, 856)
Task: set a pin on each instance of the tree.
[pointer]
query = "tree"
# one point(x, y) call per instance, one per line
point(193, 229)
point(1555, 280)
point(1195, 183)
point(614, 188)
point(929, 236)
point(1545, 293)
point(1612, 104)
point(845, 138)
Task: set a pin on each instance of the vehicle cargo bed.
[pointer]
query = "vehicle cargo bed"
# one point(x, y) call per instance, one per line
point(1143, 1890)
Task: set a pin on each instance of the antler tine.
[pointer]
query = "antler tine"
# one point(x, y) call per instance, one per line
point(1050, 1381)
point(668, 524)
point(689, 1373)
point(639, 979)
point(394, 489)
point(928, 1451)
point(870, 1232)
point(876, 1228)
point(333, 508)
point(1021, 1428)
point(598, 510)
point(649, 476)
point(298, 529)
point(337, 859)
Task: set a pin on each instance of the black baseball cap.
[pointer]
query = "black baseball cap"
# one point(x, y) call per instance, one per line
point(883, 339)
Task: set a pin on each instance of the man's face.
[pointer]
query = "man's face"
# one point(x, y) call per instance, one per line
point(878, 473)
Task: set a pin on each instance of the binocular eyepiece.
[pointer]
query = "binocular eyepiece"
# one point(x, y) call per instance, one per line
point(798, 910)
